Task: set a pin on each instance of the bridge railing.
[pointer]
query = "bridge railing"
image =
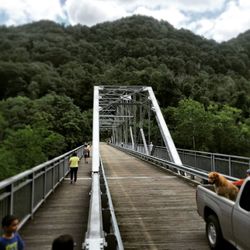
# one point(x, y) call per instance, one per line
point(230, 165)
point(24, 193)
point(194, 174)
point(102, 231)
point(113, 236)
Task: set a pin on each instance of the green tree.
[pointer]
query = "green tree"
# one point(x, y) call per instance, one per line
point(192, 125)
point(26, 147)
point(3, 126)
point(8, 164)
point(64, 117)
point(226, 129)
point(17, 111)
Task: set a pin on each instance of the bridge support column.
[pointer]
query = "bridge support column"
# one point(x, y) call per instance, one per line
point(96, 135)
point(173, 154)
point(144, 141)
point(132, 137)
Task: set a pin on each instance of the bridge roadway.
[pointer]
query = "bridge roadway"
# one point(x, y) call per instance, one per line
point(155, 209)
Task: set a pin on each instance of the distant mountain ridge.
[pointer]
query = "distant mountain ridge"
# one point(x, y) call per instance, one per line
point(131, 50)
point(48, 70)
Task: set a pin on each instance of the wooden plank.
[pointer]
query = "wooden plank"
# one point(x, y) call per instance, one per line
point(64, 212)
point(154, 209)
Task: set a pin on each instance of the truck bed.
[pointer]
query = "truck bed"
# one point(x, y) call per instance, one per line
point(206, 194)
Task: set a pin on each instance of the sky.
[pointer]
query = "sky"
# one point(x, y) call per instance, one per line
point(220, 20)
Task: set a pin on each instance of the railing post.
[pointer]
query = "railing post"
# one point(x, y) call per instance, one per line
point(11, 189)
point(212, 162)
point(32, 201)
point(229, 166)
point(53, 177)
point(45, 183)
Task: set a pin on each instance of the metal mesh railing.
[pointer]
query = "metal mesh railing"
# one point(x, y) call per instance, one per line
point(230, 165)
point(22, 194)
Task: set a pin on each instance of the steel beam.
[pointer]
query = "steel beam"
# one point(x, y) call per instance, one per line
point(96, 135)
point(144, 141)
point(174, 156)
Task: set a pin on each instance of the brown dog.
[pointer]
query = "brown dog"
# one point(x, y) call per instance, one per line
point(223, 187)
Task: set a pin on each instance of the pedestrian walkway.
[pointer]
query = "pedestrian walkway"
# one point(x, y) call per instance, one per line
point(64, 212)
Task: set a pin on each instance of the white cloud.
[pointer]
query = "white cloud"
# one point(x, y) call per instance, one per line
point(184, 5)
point(202, 27)
point(219, 20)
point(95, 11)
point(92, 12)
point(172, 15)
point(23, 11)
point(234, 20)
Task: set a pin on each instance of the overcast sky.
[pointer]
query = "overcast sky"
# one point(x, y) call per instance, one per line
point(220, 20)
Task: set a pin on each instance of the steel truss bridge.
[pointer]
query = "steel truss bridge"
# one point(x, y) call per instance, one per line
point(124, 115)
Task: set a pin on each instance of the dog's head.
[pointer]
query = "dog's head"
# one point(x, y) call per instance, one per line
point(213, 177)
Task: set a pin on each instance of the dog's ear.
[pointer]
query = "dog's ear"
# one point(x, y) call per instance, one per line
point(215, 175)
point(211, 175)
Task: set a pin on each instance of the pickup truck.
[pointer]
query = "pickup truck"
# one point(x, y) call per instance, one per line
point(226, 220)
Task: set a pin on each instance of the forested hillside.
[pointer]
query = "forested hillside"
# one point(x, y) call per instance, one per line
point(47, 74)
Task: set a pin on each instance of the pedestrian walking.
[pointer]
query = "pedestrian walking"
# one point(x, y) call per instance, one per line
point(85, 153)
point(88, 148)
point(150, 147)
point(73, 164)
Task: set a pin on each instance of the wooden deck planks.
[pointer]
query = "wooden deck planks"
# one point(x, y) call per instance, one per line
point(155, 210)
point(64, 212)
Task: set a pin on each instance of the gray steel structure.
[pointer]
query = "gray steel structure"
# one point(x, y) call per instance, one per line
point(120, 110)
point(24, 193)
point(123, 112)
point(126, 110)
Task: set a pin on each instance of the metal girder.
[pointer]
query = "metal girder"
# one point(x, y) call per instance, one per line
point(117, 108)
point(166, 136)
point(117, 116)
point(122, 108)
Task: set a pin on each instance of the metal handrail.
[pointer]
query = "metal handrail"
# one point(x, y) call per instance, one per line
point(193, 174)
point(95, 238)
point(228, 165)
point(209, 153)
point(24, 193)
point(114, 223)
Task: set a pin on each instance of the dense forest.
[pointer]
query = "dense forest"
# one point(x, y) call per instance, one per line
point(48, 70)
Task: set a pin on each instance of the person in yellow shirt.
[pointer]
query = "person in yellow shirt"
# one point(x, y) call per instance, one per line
point(73, 164)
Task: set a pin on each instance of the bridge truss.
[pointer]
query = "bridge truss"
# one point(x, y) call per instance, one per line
point(127, 113)
point(121, 112)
